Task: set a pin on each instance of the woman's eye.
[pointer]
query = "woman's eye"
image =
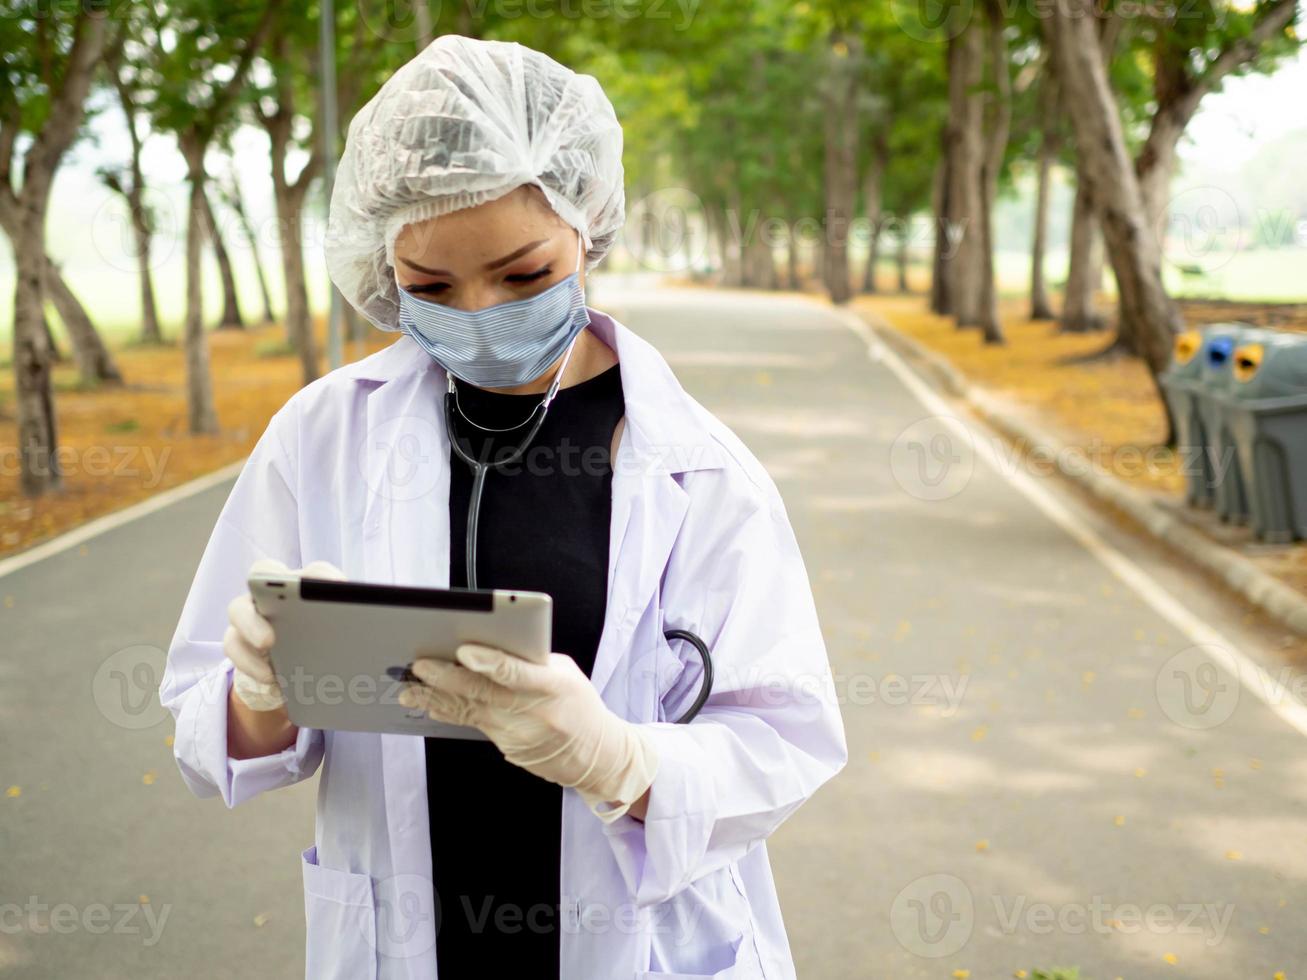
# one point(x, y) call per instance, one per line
point(529, 276)
point(434, 287)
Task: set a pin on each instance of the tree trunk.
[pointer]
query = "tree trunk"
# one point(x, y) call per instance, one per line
point(94, 362)
point(1040, 307)
point(873, 256)
point(25, 211)
point(841, 161)
point(141, 223)
point(901, 260)
point(965, 266)
point(202, 413)
point(299, 325)
point(234, 200)
point(792, 258)
point(941, 298)
point(732, 247)
point(761, 262)
point(56, 357)
point(1100, 143)
point(996, 125)
point(1084, 266)
point(872, 190)
point(151, 332)
point(37, 432)
point(231, 311)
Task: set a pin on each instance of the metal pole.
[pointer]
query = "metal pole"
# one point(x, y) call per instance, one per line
point(327, 53)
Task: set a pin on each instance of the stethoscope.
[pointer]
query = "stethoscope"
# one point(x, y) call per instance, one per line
point(480, 468)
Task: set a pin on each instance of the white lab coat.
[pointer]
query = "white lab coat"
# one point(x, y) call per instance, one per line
point(354, 469)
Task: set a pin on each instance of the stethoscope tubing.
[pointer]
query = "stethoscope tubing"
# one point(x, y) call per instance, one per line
point(480, 469)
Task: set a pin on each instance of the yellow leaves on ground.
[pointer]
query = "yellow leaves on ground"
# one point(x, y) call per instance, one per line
point(122, 445)
point(1107, 407)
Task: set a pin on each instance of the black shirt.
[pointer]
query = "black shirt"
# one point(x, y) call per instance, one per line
point(544, 525)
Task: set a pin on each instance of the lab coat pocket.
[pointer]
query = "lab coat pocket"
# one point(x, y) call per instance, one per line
point(678, 673)
point(705, 931)
point(735, 971)
point(341, 917)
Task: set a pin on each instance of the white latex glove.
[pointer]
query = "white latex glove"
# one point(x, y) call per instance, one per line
point(249, 638)
point(547, 718)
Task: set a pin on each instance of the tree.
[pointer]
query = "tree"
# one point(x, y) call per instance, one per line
point(129, 181)
point(1107, 170)
point(202, 52)
point(231, 311)
point(51, 55)
point(842, 81)
point(285, 106)
point(997, 121)
point(229, 192)
point(1050, 139)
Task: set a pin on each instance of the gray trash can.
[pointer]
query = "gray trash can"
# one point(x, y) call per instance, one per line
point(1266, 408)
point(1182, 383)
point(1227, 480)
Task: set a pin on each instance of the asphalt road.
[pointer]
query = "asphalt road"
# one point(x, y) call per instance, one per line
point(1045, 769)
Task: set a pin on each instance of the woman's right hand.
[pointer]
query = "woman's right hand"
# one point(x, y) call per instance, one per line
point(250, 637)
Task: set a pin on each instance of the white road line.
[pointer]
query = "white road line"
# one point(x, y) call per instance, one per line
point(1251, 675)
point(118, 518)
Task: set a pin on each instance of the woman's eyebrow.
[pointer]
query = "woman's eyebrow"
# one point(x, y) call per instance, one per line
point(489, 266)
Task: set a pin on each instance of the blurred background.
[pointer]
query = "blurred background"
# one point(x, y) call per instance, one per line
point(975, 279)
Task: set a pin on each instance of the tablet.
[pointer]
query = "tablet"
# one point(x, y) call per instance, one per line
point(342, 648)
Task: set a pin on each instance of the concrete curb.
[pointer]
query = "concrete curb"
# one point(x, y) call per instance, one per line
point(1285, 604)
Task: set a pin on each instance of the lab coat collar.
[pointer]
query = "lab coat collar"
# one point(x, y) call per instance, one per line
point(667, 430)
point(666, 435)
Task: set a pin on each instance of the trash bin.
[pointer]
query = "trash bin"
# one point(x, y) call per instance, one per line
point(1266, 408)
point(1182, 384)
point(1228, 480)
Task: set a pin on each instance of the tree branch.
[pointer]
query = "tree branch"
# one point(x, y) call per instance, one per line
point(67, 105)
point(1238, 53)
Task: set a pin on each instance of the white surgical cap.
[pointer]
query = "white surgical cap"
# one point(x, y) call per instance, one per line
point(463, 123)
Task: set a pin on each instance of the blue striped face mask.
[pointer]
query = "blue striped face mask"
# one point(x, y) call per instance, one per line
point(502, 345)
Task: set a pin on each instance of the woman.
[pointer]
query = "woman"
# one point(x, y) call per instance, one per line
point(588, 836)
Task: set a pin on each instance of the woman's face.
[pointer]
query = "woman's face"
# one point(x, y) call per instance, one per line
point(507, 249)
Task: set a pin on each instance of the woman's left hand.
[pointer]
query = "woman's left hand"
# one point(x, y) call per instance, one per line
point(547, 718)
